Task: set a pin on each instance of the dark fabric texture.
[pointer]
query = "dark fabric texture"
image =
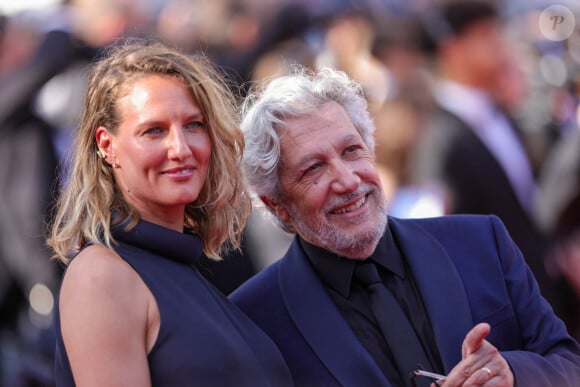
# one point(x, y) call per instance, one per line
point(408, 353)
point(352, 300)
point(203, 340)
point(467, 270)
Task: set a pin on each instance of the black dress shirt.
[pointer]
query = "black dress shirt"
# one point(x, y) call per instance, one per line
point(351, 299)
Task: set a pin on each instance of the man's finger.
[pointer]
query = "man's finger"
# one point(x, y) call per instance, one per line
point(474, 339)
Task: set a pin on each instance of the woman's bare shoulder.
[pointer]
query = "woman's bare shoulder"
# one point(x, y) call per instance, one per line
point(98, 266)
point(99, 277)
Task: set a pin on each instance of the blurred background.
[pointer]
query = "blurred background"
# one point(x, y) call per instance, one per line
point(527, 67)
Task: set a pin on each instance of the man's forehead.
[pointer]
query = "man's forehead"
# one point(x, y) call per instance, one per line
point(302, 149)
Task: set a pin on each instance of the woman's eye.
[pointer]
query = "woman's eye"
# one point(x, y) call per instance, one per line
point(154, 130)
point(194, 124)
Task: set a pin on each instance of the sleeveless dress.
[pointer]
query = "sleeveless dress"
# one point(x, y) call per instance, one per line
point(204, 340)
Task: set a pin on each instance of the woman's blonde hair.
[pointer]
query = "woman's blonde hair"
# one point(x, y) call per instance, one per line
point(92, 202)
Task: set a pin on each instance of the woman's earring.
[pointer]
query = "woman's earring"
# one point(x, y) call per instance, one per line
point(102, 154)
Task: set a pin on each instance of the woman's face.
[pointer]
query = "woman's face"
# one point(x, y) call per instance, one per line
point(161, 151)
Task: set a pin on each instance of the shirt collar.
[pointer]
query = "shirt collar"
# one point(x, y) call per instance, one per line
point(471, 104)
point(336, 272)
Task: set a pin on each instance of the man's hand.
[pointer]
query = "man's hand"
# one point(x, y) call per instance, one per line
point(481, 363)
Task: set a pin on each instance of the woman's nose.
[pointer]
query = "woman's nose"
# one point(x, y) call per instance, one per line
point(178, 146)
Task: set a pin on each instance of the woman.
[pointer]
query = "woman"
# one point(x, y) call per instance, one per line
point(155, 180)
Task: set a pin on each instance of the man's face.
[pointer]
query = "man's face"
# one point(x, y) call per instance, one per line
point(332, 192)
point(483, 49)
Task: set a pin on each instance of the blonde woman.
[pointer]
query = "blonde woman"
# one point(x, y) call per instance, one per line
point(155, 181)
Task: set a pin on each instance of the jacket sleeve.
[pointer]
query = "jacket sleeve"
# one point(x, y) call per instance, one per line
point(548, 355)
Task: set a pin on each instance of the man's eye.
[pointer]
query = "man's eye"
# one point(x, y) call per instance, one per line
point(313, 167)
point(352, 149)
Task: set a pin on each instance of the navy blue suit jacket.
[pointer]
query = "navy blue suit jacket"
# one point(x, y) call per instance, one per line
point(467, 269)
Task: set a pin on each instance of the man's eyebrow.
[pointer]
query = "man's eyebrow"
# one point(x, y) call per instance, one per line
point(307, 159)
point(314, 155)
point(349, 138)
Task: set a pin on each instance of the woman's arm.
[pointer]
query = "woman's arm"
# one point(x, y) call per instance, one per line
point(105, 320)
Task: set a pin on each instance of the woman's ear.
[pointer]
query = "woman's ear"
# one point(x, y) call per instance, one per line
point(104, 142)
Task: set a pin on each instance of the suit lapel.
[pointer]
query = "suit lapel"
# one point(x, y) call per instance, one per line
point(322, 325)
point(440, 287)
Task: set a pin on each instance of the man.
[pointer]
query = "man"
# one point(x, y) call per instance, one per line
point(470, 146)
point(466, 293)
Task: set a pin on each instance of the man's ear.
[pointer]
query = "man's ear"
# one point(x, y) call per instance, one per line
point(280, 211)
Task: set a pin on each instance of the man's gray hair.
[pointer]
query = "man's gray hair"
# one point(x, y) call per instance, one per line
point(299, 91)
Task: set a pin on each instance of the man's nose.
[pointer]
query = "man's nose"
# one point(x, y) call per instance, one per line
point(345, 178)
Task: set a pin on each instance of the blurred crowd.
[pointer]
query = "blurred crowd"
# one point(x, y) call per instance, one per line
point(409, 57)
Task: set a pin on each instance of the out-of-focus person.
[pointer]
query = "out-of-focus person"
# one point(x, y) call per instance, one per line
point(471, 146)
point(348, 41)
point(558, 211)
point(28, 162)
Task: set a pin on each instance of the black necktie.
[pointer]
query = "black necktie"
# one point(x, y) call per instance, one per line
point(392, 321)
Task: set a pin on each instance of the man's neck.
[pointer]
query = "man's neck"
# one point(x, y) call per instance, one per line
point(463, 77)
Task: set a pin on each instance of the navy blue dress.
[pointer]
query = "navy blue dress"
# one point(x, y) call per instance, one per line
point(203, 340)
